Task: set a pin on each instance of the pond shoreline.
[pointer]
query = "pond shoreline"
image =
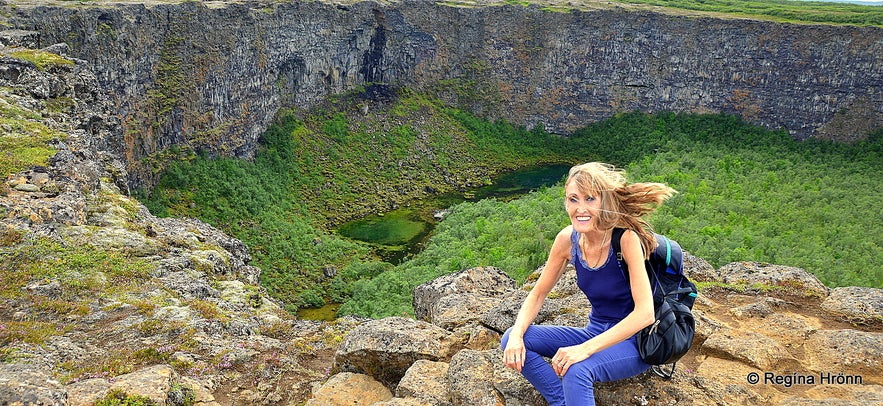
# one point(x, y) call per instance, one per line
point(400, 233)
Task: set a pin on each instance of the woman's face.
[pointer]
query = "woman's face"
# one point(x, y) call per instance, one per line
point(582, 209)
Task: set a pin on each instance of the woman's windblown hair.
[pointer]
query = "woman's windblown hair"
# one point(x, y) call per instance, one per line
point(622, 204)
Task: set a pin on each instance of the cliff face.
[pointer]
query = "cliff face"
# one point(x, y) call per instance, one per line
point(206, 76)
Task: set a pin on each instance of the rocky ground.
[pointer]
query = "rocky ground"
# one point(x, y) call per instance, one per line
point(804, 343)
point(102, 299)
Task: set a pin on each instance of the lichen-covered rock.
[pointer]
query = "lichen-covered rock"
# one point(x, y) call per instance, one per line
point(855, 303)
point(456, 310)
point(347, 388)
point(386, 348)
point(426, 381)
point(698, 269)
point(564, 299)
point(754, 349)
point(29, 385)
point(851, 352)
point(793, 280)
point(487, 281)
point(471, 378)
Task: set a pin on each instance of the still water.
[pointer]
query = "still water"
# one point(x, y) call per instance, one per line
point(401, 233)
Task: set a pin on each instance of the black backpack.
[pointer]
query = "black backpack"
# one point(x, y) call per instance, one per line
point(670, 336)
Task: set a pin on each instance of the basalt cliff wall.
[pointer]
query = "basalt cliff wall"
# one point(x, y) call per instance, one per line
point(210, 76)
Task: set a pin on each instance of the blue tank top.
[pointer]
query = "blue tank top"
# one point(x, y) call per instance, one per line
point(605, 287)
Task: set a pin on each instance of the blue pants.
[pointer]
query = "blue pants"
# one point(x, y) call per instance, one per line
point(616, 362)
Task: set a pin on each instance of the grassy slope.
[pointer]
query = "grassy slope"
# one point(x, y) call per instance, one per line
point(789, 11)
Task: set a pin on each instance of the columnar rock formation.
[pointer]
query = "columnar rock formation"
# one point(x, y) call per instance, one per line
point(210, 76)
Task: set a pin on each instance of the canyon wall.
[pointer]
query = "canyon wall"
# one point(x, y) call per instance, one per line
point(211, 76)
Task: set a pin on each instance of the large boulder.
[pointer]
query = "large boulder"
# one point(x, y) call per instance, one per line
point(27, 385)
point(751, 348)
point(350, 389)
point(428, 382)
point(487, 281)
point(565, 304)
point(791, 279)
point(471, 378)
point(847, 351)
point(386, 348)
point(857, 304)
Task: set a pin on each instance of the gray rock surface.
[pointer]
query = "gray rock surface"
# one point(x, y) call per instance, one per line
point(386, 348)
point(856, 303)
point(490, 281)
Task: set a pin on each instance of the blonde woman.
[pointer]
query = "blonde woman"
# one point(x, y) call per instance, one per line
point(597, 199)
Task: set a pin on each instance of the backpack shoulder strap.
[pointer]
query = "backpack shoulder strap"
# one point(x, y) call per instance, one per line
point(651, 272)
point(617, 251)
point(614, 242)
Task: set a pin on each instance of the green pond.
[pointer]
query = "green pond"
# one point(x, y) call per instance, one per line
point(399, 234)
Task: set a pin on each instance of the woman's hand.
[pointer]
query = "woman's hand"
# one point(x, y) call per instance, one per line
point(514, 354)
point(567, 356)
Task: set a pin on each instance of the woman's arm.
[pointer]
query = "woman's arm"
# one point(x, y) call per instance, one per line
point(559, 255)
point(641, 316)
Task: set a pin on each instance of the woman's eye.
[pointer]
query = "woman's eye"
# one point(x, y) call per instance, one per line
point(590, 199)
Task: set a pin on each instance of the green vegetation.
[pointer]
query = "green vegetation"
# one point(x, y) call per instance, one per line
point(333, 165)
point(781, 10)
point(80, 274)
point(790, 11)
point(119, 397)
point(24, 141)
point(746, 194)
point(514, 236)
point(41, 59)
point(82, 271)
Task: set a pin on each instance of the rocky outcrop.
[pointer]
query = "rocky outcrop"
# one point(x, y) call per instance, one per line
point(100, 298)
point(800, 350)
point(210, 76)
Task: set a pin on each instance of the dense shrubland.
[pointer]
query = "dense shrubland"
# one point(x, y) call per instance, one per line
point(745, 194)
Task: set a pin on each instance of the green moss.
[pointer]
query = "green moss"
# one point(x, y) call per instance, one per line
point(60, 104)
point(207, 310)
point(24, 141)
point(83, 272)
point(30, 332)
point(9, 355)
point(118, 362)
point(41, 59)
point(119, 397)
